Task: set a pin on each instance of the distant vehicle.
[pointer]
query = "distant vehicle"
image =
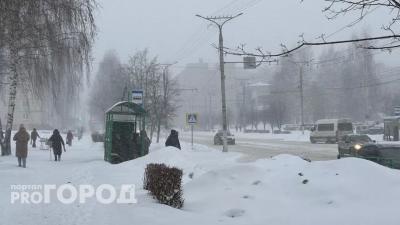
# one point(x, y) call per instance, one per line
point(384, 154)
point(291, 127)
point(218, 138)
point(281, 132)
point(330, 130)
point(308, 126)
point(376, 130)
point(361, 128)
point(351, 143)
point(257, 131)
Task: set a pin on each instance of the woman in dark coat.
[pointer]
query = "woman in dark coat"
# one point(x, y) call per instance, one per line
point(173, 140)
point(57, 143)
point(21, 139)
point(34, 136)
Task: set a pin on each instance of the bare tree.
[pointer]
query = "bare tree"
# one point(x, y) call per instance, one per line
point(277, 112)
point(169, 105)
point(144, 74)
point(44, 40)
point(335, 9)
point(108, 86)
point(264, 116)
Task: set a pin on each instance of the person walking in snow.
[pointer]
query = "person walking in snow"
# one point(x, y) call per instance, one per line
point(21, 139)
point(70, 136)
point(57, 143)
point(34, 136)
point(173, 140)
point(146, 141)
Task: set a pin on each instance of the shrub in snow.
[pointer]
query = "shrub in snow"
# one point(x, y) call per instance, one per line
point(165, 184)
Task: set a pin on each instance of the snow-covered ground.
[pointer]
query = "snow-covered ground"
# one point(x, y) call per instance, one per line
point(218, 189)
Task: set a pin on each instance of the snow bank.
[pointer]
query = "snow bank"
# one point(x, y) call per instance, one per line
point(218, 189)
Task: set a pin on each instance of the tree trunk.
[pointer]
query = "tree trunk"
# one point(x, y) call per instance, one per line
point(158, 129)
point(152, 126)
point(1, 136)
point(6, 150)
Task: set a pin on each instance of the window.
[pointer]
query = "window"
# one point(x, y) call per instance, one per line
point(361, 138)
point(345, 126)
point(325, 127)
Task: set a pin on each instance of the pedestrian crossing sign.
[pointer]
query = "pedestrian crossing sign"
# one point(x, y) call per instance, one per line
point(191, 118)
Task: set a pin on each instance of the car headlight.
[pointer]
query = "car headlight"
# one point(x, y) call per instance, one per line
point(357, 147)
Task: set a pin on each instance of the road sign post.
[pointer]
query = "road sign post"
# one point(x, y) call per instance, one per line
point(191, 126)
point(249, 62)
point(137, 97)
point(191, 119)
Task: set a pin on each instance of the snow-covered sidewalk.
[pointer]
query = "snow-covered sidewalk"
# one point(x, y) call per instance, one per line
point(218, 189)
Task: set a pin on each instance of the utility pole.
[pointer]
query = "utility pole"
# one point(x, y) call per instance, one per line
point(220, 21)
point(301, 87)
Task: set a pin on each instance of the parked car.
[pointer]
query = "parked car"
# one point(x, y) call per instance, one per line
point(361, 128)
point(218, 138)
point(257, 131)
point(384, 154)
point(375, 130)
point(330, 130)
point(351, 143)
point(291, 127)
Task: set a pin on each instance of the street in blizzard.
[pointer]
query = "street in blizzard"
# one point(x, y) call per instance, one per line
point(199, 112)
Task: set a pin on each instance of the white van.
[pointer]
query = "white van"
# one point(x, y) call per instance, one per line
point(330, 130)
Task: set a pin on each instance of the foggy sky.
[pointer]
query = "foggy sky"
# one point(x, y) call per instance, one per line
point(171, 31)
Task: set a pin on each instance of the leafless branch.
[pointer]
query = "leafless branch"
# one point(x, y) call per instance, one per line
point(240, 51)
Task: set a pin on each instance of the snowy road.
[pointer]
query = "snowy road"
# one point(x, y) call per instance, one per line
point(263, 146)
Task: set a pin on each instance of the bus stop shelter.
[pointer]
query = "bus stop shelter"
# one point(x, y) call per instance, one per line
point(124, 122)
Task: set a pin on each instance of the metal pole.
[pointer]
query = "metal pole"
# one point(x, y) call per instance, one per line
point(222, 20)
point(244, 109)
point(222, 69)
point(301, 87)
point(209, 113)
point(192, 136)
point(302, 99)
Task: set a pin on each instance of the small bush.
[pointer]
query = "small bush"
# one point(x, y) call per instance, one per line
point(165, 184)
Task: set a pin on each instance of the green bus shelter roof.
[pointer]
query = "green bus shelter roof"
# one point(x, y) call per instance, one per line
point(126, 107)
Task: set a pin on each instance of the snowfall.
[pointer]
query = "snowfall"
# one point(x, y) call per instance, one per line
point(219, 188)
